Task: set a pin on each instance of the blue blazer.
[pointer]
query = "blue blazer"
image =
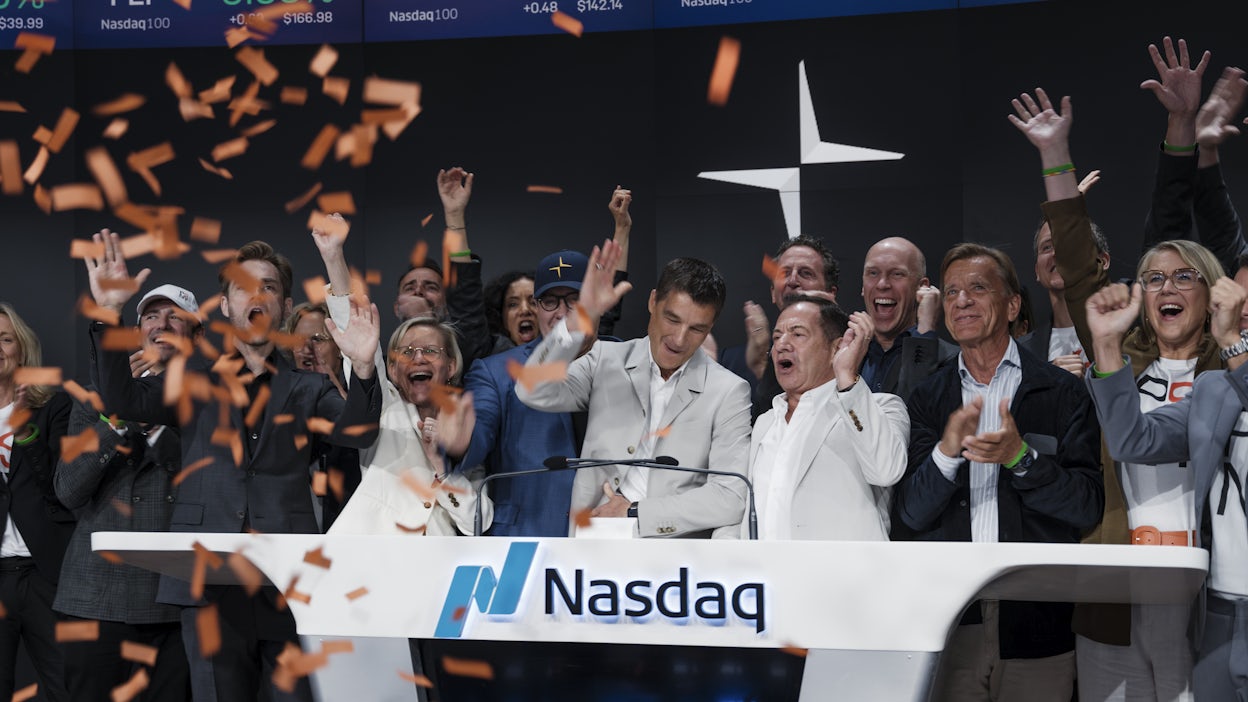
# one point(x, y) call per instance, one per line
point(510, 436)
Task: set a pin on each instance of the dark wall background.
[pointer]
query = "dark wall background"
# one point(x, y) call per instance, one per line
point(629, 108)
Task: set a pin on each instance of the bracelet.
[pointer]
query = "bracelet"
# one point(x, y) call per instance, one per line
point(1058, 170)
point(34, 434)
point(1021, 452)
point(454, 228)
point(465, 252)
point(1171, 148)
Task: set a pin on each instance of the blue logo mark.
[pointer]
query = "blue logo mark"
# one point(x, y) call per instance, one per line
point(499, 595)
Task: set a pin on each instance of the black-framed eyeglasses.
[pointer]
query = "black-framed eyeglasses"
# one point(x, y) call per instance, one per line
point(1183, 279)
point(411, 352)
point(550, 303)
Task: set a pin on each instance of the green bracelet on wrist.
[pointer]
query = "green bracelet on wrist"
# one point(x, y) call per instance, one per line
point(1021, 452)
point(1058, 170)
point(465, 252)
point(34, 434)
point(1171, 148)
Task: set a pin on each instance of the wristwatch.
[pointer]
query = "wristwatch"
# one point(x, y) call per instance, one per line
point(1238, 348)
point(632, 510)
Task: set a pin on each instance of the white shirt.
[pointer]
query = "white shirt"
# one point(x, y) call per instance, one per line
point(661, 391)
point(1162, 495)
point(1063, 341)
point(775, 467)
point(1227, 575)
point(12, 544)
point(1003, 386)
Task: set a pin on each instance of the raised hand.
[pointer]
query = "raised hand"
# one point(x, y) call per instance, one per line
point(1177, 85)
point(620, 200)
point(1226, 304)
point(107, 274)
point(455, 425)
point(455, 189)
point(929, 299)
point(359, 340)
point(328, 243)
point(1000, 446)
point(1113, 310)
point(1047, 129)
point(757, 338)
point(852, 349)
point(962, 425)
point(599, 292)
point(1214, 121)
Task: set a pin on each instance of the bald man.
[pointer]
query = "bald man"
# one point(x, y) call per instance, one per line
point(905, 309)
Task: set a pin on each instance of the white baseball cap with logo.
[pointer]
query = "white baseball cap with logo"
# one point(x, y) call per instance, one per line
point(181, 297)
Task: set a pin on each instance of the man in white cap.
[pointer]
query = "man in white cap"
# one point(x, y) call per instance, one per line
point(165, 311)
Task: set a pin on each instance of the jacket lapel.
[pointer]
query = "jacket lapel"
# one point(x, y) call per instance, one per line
point(688, 387)
point(637, 365)
point(821, 426)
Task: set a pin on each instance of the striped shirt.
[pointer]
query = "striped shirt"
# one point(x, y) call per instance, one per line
point(1003, 386)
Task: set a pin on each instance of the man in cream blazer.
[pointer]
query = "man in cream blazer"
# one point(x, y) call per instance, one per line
point(655, 396)
point(824, 457)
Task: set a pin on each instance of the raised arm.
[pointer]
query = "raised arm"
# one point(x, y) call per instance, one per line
point(465, 296)
point(1216, 218)
point(621, 199)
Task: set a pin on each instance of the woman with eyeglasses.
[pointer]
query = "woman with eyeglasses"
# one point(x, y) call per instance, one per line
point(407, 487)
point(319, 353)
point(1142, 649)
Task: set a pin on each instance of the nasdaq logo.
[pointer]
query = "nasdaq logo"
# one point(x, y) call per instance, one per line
point(493, 595)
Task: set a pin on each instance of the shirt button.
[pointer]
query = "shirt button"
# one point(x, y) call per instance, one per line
point(168, 498)
point(962, 503)
point(104, 458)
point(428, 505)
point(136, 499)
point(255, 436)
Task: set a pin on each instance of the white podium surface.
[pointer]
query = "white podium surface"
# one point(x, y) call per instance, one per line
point(900, 597)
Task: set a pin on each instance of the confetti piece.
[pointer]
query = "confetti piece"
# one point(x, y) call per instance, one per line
point(77, 631)
point(294, 95)
point(419, 253)
point(257, 407)
point(139, 653)
point(42, 135)
point(9, 106)
point(299, 202)
point(262, 25)
point(31, 41)
point(372, 276)
point(216, 170)
point(229, 149)
point(151, 157)
point(336, 483)
point(317, 558)
point(128, 102)
point(320, 483)
point(132, 687)
point(338, 228)
point(106, 174)
point(383, 91)
point(319, 149)
point(567, 23)
point(208, 626)
point(26, 61)
point(323, 62)
point(259, 128)
point(10, 168)
point(359, 429)
point(19, 417)
point(122, 508)
point(239, 276)
point(319, 425)
point(64, 128)
point(467, 668)
point(219, 92)
point(116, 129)
point(35, 171)
point(29, 692)
point(338, 202)
point(83, 395)
point(237, 35)
point(249, 576)
point(382, 116)
point(177, 82)
point(110, 557)
point(724, 71)
point(393, 129)
point(420, 680)
point(364, 136)
point(531, 376)
point(206, 230)
point(794, 650)
point(87, 308)
point(552, 189)
point(188, 470)
point(314, 290)
point(410, 530)
point(771, 269)
point(211, 559)
point(332, 647)
point(121, 339)
point(293, 594)
point(582, 518)
point(184, 4)
point(73, 446)
point(33, 375)
point(246, 103)
point(43, 200)
point(253, 59)
point(336, 88)
point(445, 396)
point(357, 593)
point(192, 109)
point(425, 222)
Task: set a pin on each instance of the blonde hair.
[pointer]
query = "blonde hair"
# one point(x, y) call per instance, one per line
point(1194, 255)
point(31, 354)
point(449, 342)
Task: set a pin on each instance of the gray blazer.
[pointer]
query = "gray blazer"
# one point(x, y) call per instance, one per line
point(708, 417)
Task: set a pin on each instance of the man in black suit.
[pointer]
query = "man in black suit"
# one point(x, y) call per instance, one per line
point(256, 476)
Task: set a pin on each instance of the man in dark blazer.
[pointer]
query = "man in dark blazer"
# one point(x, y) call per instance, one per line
point(251, 469)
point(1004, 447)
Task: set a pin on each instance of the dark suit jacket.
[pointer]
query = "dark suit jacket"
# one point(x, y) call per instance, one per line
point(269, 489)
point(920, 357)
point(1058, 498)
point(29, 496)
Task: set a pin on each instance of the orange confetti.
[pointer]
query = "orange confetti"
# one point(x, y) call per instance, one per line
point(445, 397)
point(357, 593)
point(248, 575)
point(19, 417)
point(26, 61)
point(332, 647)
point(42, 43)
point(239, 276)
point(317, 558)
point(77, 631)
point(237, 35)
point(122, 508)
point(219, 92)
point(43, 200)
point(261, 24)
point(215, 170)
point(42, 135)
point(383, 91)
point(420, 680)
point(128, 102)
point(425, 222)
point(771, 269)
point(64, 129)
point(359, 429)
point(336, 483)
point(467, 668)
point(10, 106)
point(531, 376)
point(177, 82)
point(122, 339)
point(229, 149)
point(259, 128)
point(208, 626)
point(339, 202)
point(217, 256)
point(188, 470)
point(192, 109)
point(299, 202)
point(794, 650)
point(724, 72)
point(336, 88)
point(394, 114)
point(152, 156)
point(257, 407)
point(372, 276)
point(253, 59)
point(323, 62)
point(567, 23)
point(139, 653)
point(338, 228)
point(364, 136)
point(73, 446)
point(582, 517)
point(294, 95)
point(87, 308)
point(34, 375)
point(106, 174)
point(29, 692)
point(314, 290)
point(319, 483)
point(319, 425)
point(83, 395)
point(35, 171)
point(552, 189)
point(206, 230)
point(116, 129)
point(132, 687)
point(10, 168)
point(393, 129)
point(293, 594)
point(410, 530)
point(419, 252)
point(319, 149)
point(110, 557)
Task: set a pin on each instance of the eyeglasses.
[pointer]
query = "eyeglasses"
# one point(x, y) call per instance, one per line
point(1183, 279)
point(411, 352)
point(550, 303)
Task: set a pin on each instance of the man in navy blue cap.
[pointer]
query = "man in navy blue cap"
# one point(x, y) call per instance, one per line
point(509, 436)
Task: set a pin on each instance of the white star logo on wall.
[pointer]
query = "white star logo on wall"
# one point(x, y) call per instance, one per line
point(788, 181)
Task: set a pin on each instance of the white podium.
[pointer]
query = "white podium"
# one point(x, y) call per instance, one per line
point(874, 616)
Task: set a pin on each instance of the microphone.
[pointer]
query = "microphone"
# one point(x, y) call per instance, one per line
point(660, 463)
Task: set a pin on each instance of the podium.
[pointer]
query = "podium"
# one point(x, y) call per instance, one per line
point(873, 617)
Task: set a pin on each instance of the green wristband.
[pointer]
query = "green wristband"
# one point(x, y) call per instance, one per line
point(1171, 148)
point(1096, 372)
point(1021, 452)
point(34, 434)
point(1058, 170)
point(465, 252)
